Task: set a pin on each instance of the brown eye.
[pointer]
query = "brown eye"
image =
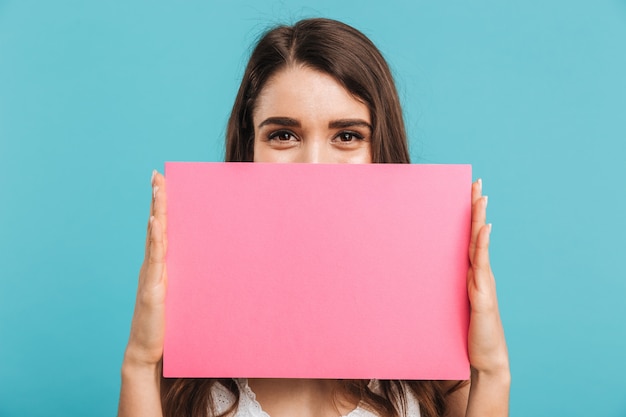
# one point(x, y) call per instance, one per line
point(281, 136)
point(347, 137)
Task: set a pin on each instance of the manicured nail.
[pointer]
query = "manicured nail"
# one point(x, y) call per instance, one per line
point(489, 225)
point(154, 191)
point(480, 184)
point(485, 197)
point(151, 219)
point(154, 171)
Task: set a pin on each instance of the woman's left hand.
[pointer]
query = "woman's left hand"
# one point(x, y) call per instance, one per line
point(488, 392)
point(487, 346)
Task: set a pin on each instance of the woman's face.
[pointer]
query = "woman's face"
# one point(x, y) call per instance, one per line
point(303, 115)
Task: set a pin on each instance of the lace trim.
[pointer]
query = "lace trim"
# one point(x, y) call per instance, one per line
point(223, 399)
point(249, 406)
point(250, 397)
point(254, 405)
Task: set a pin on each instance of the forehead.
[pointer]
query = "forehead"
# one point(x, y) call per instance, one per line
point(307, 94)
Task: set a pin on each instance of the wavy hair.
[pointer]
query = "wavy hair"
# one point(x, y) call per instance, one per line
point(182, 397)
point(354, 61)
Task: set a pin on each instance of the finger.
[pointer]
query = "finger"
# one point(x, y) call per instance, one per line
point(154, 173)
point(481, 256)
point(160, 204)
point(147, 244)
point(477, 190)
point(150, 214)
point(156, 253)
point(476, 194)
point(479, 217)
point(480, 262)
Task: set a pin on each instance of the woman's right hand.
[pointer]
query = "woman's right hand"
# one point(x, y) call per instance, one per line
point(145, 344)
point(141, 370)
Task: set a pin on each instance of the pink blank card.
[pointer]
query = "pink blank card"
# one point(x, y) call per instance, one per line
point(317, 271)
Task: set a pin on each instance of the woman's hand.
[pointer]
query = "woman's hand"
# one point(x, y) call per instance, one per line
point(141, 371)
point(145, 345)
point(487, 346)
point(488, 355)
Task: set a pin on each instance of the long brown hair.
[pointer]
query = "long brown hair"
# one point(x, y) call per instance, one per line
point(336, 49)
point(354, 61)
point(192, 397)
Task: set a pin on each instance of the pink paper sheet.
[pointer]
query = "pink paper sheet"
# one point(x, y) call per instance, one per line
point(317, 271)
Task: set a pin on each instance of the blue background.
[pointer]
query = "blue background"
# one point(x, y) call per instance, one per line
point(94, 95)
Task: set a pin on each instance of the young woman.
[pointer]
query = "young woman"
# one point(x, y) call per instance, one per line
point(316, 92)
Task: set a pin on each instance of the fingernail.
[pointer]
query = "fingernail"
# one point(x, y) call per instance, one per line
point(480, 184)
point(489, 227)
point(154, 171)
point(154, 191)
point(151, 219)
point(485, 197)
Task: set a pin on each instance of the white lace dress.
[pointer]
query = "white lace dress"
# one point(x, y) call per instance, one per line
point(249, 407)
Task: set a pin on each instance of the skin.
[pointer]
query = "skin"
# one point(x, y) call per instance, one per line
point(305, 116)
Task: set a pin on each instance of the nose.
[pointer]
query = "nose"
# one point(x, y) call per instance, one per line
point(316, 151)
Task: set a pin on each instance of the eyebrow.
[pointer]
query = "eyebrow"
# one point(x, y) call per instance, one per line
point(343, 123)
point(335, 124)
point(280, 121)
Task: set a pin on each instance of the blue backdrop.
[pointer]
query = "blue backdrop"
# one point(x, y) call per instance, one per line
point(94, 95)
